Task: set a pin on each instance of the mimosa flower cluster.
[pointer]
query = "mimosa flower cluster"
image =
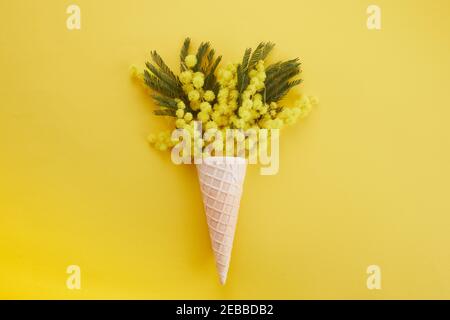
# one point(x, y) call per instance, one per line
point(243, 95)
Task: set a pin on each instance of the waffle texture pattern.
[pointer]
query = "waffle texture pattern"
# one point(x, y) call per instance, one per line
point(221, 181)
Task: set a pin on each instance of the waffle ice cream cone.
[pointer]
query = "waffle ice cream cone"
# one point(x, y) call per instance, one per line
point(221, 181)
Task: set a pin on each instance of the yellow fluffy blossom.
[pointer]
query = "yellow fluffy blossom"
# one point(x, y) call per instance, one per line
point(190, 60)
point(263, 109)
point(257, 104)
point(222, 96)
point(227, 75)
point(210, 125)
point(203, 116)
point(305, 105)
point(134, 72)
point(193, 95)
point(180, 113)
point(188, 87)
point(247, 103)
point(181, 105)
point(186, 77)
point(188, 117)
point(151, 138)
point(198, 80)
point(205, 107)
point(162, 141)
point(195, 105)
point(180, 123)
point(234, 94)
point(209, 96)
point(260, 66)
point(244, 113)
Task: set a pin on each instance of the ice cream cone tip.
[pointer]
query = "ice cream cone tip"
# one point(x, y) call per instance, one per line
point(223, 279)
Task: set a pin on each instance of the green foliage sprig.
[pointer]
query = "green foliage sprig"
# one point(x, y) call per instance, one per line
point(161, 79)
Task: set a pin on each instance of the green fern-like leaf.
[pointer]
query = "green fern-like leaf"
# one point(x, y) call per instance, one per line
point(160, 86)
point(184, 52)
point(165, 102)
point(246, 58)
point(216, 88)
point(279, 79)
point(161, 64)
point(240, 77)
point(210, 78)
point(165, 112)
point(242, 71)
point(201, 52)
point(163, 77)
point(249, 62)
point(256, 56)
point(274, 70)
point(267, 49)
point(282, 90)
point(261, 52)
point(209, 60)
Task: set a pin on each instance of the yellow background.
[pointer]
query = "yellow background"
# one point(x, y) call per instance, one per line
point(364, 180)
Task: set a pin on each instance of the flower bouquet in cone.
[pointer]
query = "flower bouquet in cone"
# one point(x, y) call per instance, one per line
point(223, 118)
